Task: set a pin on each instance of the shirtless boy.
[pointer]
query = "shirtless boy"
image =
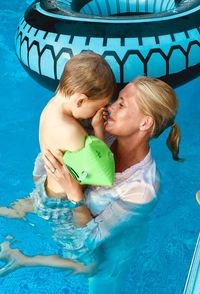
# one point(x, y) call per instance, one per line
point(85, 88)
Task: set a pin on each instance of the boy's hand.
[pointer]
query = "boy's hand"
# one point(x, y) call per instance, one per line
point(97, 123)
point(99, 118)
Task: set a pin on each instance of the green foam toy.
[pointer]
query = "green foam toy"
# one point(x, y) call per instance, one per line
point(93, 164)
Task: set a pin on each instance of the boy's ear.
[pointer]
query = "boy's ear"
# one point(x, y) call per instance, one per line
point(147, 123)
point(81, 98)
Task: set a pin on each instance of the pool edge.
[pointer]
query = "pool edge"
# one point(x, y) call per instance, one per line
point(193, 278)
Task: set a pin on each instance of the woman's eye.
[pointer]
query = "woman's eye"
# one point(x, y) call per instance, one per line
point(121, 105)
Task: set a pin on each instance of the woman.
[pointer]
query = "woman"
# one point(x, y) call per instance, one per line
point(143, 110)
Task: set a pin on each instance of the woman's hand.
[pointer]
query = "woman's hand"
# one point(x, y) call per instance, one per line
point(57, 170)
point(72, 188)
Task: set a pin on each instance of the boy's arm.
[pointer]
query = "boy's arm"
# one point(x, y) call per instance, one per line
point(72, 138)
point(99, 133)
point(97, 123)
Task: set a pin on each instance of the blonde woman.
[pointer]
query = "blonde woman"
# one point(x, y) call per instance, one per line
point(144, 109)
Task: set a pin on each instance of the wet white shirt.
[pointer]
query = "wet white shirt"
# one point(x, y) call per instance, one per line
point(130, 199)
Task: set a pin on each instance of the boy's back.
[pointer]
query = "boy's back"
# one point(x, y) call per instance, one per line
point(59, 131)
point(86, 86)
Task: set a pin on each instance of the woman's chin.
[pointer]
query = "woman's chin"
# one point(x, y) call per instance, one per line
point(108, 126)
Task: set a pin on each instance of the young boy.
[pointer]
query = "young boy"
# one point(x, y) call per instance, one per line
point(85, 88)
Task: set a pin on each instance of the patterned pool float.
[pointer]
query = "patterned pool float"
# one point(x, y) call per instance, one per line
point(158, 38)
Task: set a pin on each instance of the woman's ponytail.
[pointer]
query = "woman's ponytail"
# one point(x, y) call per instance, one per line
point(173, 141)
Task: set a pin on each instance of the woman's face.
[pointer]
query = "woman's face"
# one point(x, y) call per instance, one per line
point(125, 116)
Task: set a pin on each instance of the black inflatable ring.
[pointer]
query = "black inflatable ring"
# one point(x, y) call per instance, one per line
point(155, 38)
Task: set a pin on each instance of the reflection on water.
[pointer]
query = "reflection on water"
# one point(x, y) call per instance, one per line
point(114, 256)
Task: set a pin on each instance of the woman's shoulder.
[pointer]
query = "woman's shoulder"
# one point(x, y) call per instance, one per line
point(139, 193)
point(140, 183)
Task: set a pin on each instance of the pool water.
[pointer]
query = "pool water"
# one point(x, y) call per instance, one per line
point(162, 263)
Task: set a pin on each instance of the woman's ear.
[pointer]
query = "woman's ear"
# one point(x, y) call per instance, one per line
point(147, 123)
point(81, 98)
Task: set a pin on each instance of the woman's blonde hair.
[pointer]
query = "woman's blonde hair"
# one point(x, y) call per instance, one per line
point(87, 73)
point(158, 100)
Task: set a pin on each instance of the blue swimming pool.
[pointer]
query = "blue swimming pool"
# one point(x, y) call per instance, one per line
point(162, 263)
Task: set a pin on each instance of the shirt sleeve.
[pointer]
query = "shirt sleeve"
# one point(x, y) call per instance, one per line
point(39, 169)
point(138, 192)
point(114, 218)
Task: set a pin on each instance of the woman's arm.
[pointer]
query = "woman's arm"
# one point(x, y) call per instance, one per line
point(131, 207)
point(81, 216)
point(95, 229)
point(71, 187)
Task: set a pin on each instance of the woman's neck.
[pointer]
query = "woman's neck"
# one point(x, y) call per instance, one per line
point(129, 151)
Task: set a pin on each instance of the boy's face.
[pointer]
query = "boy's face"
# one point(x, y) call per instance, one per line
point(88, 107)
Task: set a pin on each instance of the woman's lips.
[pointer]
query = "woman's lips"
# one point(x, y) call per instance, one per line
point(110, 119)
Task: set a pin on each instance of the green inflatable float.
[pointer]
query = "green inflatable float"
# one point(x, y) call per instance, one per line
point(93, 164)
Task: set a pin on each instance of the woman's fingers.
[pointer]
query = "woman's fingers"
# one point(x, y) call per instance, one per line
point(53, 166)
point(49, 170)
point(51, 162)
point(59, 155)
point(52, 158)
point(49, 166)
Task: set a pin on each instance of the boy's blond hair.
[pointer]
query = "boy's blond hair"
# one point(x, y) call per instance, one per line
point(87, 73)
point(158, 100)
